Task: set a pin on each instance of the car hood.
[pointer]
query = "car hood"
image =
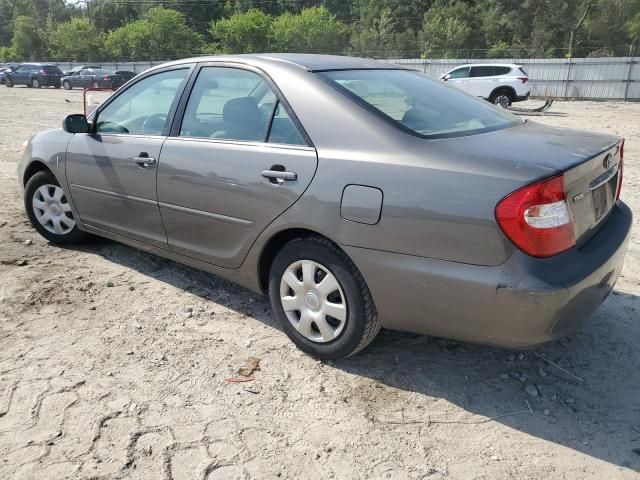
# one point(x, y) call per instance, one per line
point(530, 147)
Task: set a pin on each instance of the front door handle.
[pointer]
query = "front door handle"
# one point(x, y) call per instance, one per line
point(278, 176)
point(144, 160)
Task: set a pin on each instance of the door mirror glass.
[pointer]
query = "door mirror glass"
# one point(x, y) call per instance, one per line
point(446, 77)
point(76, 123)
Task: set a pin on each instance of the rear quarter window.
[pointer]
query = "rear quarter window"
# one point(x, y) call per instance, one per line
point(502, 70)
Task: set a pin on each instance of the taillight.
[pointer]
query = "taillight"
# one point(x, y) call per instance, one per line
point(523, 79)
point(620, 169)
point(537, 219)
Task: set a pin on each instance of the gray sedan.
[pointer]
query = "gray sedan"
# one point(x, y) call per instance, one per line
point(355, 194)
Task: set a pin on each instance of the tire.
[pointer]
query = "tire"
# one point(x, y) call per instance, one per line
point(95, 85)
point(9, 83)
point(35, 83)
point(360, 324)
point(502, 98)
point(69, 233)
point(67, 85)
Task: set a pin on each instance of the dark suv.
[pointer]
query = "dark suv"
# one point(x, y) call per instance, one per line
point(34, 75)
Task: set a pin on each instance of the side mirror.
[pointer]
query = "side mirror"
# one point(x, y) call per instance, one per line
point(76, 123)
point(446, 77)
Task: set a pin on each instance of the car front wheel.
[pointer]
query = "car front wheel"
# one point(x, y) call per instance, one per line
point(67, 85)
point(321, 300)
point(8, 83)
point(49, 211)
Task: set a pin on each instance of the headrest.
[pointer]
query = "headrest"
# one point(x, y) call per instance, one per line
point(241, 110)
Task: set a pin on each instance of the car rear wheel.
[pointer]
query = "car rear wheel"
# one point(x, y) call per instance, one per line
point(67, 85)
point(35, 83)
point(95, 85)
point(502, 98)
point(321, 299)
point(49, 211)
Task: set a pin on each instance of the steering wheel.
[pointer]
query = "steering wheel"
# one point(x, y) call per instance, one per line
point(154, 123)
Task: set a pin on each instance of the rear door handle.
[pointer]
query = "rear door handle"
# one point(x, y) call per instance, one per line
point(144, 161)
point(279, 175)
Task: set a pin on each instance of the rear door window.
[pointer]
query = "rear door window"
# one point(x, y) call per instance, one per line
point(482, 71)
point(283, 130)
point(236, 104)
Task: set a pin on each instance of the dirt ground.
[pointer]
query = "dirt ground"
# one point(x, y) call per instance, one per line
point(113, 365)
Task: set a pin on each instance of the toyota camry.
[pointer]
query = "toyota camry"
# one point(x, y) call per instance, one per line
point(355, 194)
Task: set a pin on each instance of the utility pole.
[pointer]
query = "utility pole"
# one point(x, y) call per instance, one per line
point(572, 37)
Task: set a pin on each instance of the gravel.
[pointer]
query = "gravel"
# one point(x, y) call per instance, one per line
point(115, 383)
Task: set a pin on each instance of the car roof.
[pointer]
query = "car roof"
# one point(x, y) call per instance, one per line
point(306, 61)
point(511, 65)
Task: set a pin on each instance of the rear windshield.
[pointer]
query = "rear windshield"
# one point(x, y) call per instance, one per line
point(419, 104)
point(51, 69)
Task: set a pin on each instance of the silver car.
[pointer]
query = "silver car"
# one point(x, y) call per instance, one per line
point(356, 194)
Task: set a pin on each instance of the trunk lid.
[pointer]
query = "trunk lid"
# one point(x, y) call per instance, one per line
point(589, 161)
point(591, 189)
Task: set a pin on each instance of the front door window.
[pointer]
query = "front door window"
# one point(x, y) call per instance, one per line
point(143, 108)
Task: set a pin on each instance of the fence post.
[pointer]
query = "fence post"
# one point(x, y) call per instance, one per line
point(568, 80)
point(626, 87)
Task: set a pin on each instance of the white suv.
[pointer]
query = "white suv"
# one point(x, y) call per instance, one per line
point(501, 84)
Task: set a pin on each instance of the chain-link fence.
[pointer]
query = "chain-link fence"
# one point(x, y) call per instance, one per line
point(606, 78)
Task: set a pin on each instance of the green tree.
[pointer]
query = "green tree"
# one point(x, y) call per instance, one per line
point(242, 32)
point(7, 54)
point(634, 28)
point(161, 33)
point(381, 37)
point(77, 40)
point(314, 29)
point(447, 28)
point(27, 43)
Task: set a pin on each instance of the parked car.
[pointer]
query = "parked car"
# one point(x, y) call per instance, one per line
point(92, 77)
point(354, 193)
point(127, 75)
point(500, 84)
point(79, 68)
point(7, 67)
point(34, 75)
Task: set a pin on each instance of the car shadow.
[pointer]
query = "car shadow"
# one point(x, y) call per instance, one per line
point(581, 392)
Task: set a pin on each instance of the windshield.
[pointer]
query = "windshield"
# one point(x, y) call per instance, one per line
point(420, 104)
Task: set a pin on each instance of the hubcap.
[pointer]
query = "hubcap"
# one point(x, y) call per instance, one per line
point(313, 301)
point(502, 100)
point(52, 210)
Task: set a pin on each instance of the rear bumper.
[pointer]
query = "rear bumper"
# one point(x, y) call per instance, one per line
point(522, 98)
point(521, 303)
